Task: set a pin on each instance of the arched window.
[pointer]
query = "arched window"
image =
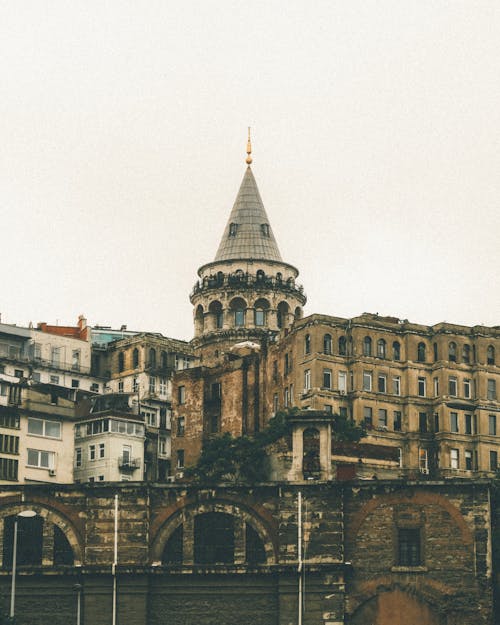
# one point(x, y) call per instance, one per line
point(214, 538)
point(490, 355)
point(135, 358)
point(173, 552)
point(152, 357)
point(238, 306)
point(260, 275)
point(435, 350)
point(381, 348)
point(342, 346)
point(29, 540)
point(220, 278)
point(466, 354)
point(279, 277)
point(215, 309)
point(282, 314)
point(396, 351)
point(163, 360)
point(298, 313)
point(121, 362)
point(452, 352)
point(367, 346)
point(327, 344)
point(307, 344)
point(421, 352)
point(63, 553)
point(260, 312)
point(199, 319)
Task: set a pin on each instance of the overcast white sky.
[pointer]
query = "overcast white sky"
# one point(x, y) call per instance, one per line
point(376, 150)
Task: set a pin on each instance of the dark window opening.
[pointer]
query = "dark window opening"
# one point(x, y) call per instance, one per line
point(173, 552)
point(135, 358)
point(396, 351)
point(254, 547)
point(214, 538)
point(63, 553)
point(233, 229)
point(342, 346)
point(421, 352)
point(29, 541)
point(409, 547)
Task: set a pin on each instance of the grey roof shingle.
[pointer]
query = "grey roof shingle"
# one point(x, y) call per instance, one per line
point(248, 233)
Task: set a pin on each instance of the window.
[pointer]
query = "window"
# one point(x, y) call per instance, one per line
point(452, 386)
point(54, 379)
point(91, 452)
point(180, 458)
point(9, 421)
point(307, 380)
point(78, 457)
point(18, 373)
point(149, 417)
point(275, 403)
point(422, 422)
point(162, 446)
point(181, 426)
point(3, 389)
point(327, 378)
point(9, 444)
point(382, 418)
point(382, 383)
point(492, 389)
point(468, 424)
point(327, 344)
point(120, 386)
point(42, 427)
point(381, 348)
point(287, 364)
point(466, 355)
point(40, 459)
point(94, 387)
point(152, 385)
point(152, 357)
point(368, 416)
point(396, 351)
point(367, 346)
point(260, 317)
point(423, 460)
point(287, 397)
point(452, 352)
point(239, 317)
point(490, 355)
point(436, 422)
point(135, 358)
point(163, 386)
point(342, 381)
point(492, 425)
point(135, 385)
point(454, 422)
point(75, 383)
point(342, 346)
point(233, 229)
point(307, 344)
point(468, 460)
point(121, 362)
point(214, 538)
point(102, 450)
point(454, 459)
point(421, 387)
point(264, 228)
point(396, 385)
point(436, 387)
point(8, 469)
point(435, 350)
point(409, 547)
point(181, 395)
point(467, 389)
point(126, 454)
point(397, 421)
point(493, 460)
point(367, 381)
point(421, 352)
point(56, 356)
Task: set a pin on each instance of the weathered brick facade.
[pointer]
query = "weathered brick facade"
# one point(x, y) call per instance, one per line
point(349, 552)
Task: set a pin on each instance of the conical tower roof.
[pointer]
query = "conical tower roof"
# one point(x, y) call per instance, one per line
point(248, 233)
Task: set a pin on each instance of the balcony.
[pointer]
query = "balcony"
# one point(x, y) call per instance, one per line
point(125, 463)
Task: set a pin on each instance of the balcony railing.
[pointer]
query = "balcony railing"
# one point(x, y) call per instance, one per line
point(247, 280)
point(128, 464)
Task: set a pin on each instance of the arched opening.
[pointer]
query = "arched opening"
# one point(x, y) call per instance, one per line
point(311, 467)
point(220, 278)
point(395, 606)
point(152, 357)
point(63, 553)
point(421, 352)
point(261, 307)
point(198, 320)
point(238, 308)
point(260, 276)
point(214, 538)
point(327, 344)
point(381, 348)
point(342, 346)
point(452, 352)
point(282, 315)
point(298, 313)
point(396, 351)
point(367, 346)
point(29, 540)
point(216, 314)
point(173, 552)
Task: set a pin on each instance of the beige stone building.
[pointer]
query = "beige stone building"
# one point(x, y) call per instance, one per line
point(430, 393)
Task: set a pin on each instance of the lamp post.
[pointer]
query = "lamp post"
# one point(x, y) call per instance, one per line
point(23, 515)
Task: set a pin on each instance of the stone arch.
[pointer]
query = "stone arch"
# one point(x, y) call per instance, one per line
point(187, 513)
point(216, 315)
point(50, 516)
point(396, 605)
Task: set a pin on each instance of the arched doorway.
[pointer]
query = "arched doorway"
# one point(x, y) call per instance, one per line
point(395, 606)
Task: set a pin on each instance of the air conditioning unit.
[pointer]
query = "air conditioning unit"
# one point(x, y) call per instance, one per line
point(52, 472)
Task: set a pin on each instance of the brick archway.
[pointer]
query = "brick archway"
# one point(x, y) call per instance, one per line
point(395, 606)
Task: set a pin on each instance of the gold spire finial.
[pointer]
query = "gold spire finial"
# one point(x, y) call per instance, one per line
point(249, 148)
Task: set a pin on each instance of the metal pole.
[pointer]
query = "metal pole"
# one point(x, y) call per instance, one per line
point(299, 554)
point(115, 560)
point(78, 606)
point(14, 562)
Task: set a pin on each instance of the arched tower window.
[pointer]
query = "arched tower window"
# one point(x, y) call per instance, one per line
point(421, 352)
point(452, 352)
point(367, 346)
point(490, 355)
point(260, 312)
point(396, 351)
point(121, 362)
point(215, 310)
point(260, 275)
point(381, 348)
point(282, 314)
point(327, 344)
point(238, 306)
point(342, 346)
point(135, 358)
point(199, 319)
point(298, 313)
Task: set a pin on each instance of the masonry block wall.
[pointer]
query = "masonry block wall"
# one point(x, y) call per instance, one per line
point(350, 554)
